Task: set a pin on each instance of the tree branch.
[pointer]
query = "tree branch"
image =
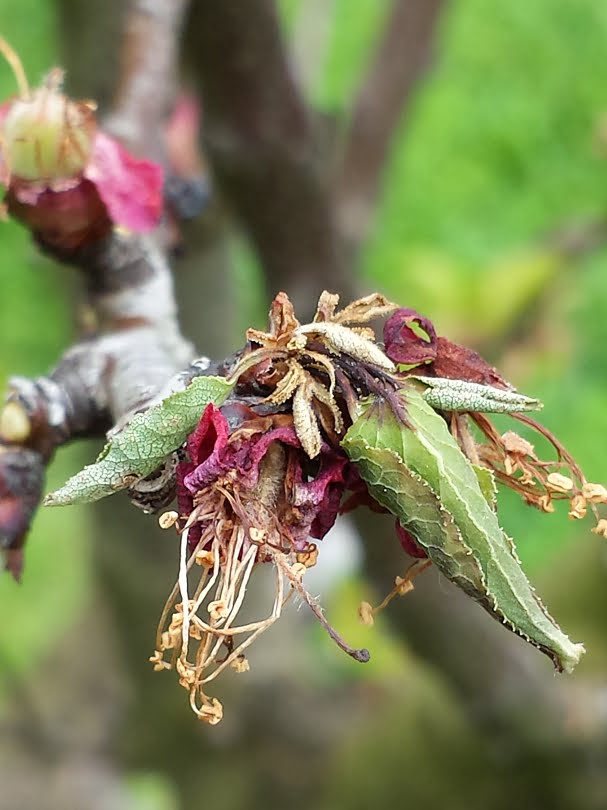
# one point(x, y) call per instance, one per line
point(262, 147)
point(146, 88)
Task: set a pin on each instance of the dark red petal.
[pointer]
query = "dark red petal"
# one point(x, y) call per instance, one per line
point(459, 363)
point(130, 188)
point(409, 338)
point(211, 431)
point(205, 450)
point(248, 463)
point(66, 219)
point(318, 500)
point(409, 543)
point(21, 480)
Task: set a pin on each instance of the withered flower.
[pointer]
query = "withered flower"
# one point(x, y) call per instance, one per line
point(265, 474)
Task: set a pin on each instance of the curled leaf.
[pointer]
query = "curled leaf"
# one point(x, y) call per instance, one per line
point(460, 395)
point(424, 479)
point(342, 339)
point(143, 443)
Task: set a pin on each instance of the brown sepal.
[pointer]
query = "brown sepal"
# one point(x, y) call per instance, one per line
point(460, 363)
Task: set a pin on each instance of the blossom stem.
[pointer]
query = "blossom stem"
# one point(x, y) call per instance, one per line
point(15, 63)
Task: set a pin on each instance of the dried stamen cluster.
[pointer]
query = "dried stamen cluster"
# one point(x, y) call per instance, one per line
point(410, 338)
point(201, 635)
point(514, 462)
point(298, 363)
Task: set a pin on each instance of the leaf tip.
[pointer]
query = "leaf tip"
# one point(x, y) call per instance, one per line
point(570, 657)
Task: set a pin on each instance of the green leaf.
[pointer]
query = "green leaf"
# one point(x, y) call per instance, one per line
point(486, 481)
point(424, 479)
point(461, 395)
point(143, 444)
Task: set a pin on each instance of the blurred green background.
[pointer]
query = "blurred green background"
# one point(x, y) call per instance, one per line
point(499, 156)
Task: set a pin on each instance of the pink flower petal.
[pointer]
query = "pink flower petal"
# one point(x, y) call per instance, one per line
point(130, 188)
point(409, 543)
point(320, 498)
point(206, 448)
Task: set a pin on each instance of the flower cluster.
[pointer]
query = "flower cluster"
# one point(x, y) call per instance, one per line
point(265, 475)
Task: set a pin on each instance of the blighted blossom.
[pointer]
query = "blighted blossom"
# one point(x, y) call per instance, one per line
point(264, 476)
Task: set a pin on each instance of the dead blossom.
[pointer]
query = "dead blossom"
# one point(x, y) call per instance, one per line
point(265, 474)
point(297, 361)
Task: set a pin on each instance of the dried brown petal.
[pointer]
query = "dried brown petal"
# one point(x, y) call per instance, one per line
point(340, 339)
point(460, 363)
point(320, 393)
point(515, 445)
point(556, 482)
point(594, 493)
point(168, 519)
point(327, 304)
point(285, 389)
point(363, 331)
point(365, 309)
point(282, 316)
point(304, 420)
point(601, 528)
point(578, 508)
point(365, 613)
